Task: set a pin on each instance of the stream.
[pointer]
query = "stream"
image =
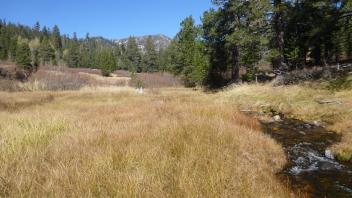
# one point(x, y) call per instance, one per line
point(311, 168)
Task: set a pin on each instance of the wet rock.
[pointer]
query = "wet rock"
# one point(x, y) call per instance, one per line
point(329, 154)
point(307, 126)
point(300, 160)
point(326, 166)
point(302, 132)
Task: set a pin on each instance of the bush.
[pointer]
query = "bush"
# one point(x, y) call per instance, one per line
point(136, 82)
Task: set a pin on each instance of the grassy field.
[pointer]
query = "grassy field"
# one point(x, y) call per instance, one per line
point(116, 143)
point(169, 142)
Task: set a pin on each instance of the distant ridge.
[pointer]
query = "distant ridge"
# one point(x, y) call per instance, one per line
point(160, 41)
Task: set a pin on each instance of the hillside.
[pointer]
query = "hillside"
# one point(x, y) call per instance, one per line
point(160, 41)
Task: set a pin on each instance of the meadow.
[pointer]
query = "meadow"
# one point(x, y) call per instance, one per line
point(98, 137)
point(117, 143)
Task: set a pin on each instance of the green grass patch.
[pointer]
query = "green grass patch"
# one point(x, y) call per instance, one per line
point(340, 84)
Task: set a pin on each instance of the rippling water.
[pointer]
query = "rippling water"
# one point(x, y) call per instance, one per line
point(311, 168)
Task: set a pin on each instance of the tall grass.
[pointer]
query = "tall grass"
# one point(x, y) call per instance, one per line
point(116, 143)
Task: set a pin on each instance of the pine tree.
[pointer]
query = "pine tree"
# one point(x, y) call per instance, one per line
point(188, 57)
point(12, 48)
point(133, 55)
point(23, 56)
point(236, 34)
point(44, 33)
point(278, 26)
point(74, 53)
point(4, 41)
point(150, 59)
point(47, 53)
point(107, 62)
point(86, 58)
point(3, 47)
point(124, 62)
point(36, 61)
point(36, 30)
point(57, 44)
point(56, 38)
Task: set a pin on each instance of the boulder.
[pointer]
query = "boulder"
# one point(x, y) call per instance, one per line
point(326, 166)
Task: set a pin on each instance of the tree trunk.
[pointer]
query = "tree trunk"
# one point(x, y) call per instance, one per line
point(235, 64)
point(279, 33)
point(349, 38)
point(317, 55)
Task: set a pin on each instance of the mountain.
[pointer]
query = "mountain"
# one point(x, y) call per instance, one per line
point(160, 41)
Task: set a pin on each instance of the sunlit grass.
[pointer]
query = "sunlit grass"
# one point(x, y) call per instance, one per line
point(117, 143)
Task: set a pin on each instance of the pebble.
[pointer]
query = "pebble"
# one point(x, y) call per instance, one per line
point(277, 118)
point(317, 123)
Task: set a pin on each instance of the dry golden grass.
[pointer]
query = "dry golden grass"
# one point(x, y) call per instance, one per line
point(116, 143)
point(300, 101)
point(113, 80)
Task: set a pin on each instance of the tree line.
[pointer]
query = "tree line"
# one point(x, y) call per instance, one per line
point(235, 34)
point(31, 47)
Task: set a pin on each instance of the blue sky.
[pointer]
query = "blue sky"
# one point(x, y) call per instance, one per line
point(107, 18)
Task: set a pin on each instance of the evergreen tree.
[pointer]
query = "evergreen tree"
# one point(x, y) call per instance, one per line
point(34, 45)
point(150, 59)
point(312, 29)
point(107, 62)
point(242, 31)
point(44, 34)
point(35, 55)
point(12, 48)
point(47, 53)
point(36, 30)
point(133, 55)
point(123, 60)
point(3, 39)
point(56, 38)
point(73, 59)
point(23, 56)
point(86, 58)
point(278, 26)
point(189, 59)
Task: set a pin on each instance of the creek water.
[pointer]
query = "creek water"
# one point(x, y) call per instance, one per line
point(311, 168)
